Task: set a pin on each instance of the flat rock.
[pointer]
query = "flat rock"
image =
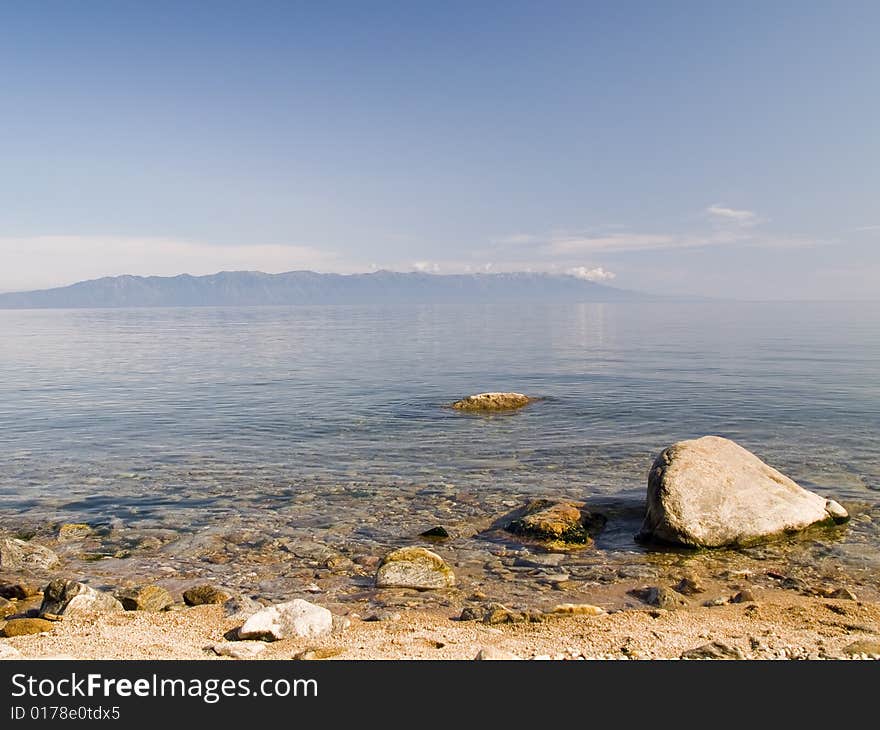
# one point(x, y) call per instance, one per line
point(713, 650)
point(25, 626)
point(711, 492)
point(414, 567)
point(145, 598)
point(16, 555)
point(492, 653)
point(70, 598)
point(205, 593)
point(297, 618)
point(559, 525)
point(492, 402)
point(239, 649)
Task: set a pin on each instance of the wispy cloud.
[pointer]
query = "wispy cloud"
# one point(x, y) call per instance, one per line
point(428, 267)
point(596, 274)
point(722, 213)
point(866, 229)
point(47, 261)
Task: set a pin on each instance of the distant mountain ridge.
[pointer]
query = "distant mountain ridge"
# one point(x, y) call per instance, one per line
point(254, 288)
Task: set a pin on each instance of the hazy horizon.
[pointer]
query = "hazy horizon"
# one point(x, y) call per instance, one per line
point(678, 149)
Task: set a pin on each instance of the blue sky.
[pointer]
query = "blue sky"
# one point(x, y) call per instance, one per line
point(728, 149)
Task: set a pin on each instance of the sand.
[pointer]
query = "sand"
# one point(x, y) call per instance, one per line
point(780, 624)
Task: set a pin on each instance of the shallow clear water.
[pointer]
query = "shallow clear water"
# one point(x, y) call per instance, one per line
point(330, 421)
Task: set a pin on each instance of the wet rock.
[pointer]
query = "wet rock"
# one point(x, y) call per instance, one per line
point(7, 607)
point(295, 618)
point(713, 650)
point(744, 596)
point(69, 598)
point(205, 593)
point(870, 647)
point(19, 590)
point(241, 608)
point(25, 626)
point(577, 609)
point(661, 597)
point(558, 524)
point(18, 555)
point(836, 511)
point(145, 598)
point(493, 653)
point(690, 586)
point(711, 492)
point(239, 649)
point(73, 531)
point(542, 560)
point(492, 402)
point(414, 567)
point(471, 613)
point(435, 533)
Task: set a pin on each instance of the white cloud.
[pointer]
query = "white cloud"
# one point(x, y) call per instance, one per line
point(732, 215)
point(427, 267)
point(47, 261)
point(596, 274)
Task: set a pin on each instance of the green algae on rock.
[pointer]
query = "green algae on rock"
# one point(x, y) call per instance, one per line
point(492, 402)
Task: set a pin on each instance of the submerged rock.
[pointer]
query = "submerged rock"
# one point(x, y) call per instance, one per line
point(145, 598)
point(558, 524)
point(205, 593)
point(711, 492)
point(414, 567)
point(73, 531)
point(295, 618)
point(70, 598)
point(16, 555)
point(492, 402)
point(25, 626)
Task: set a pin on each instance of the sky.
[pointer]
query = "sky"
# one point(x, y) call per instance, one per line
point(688, 148)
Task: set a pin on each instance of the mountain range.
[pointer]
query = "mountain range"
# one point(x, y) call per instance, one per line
point(254, 288)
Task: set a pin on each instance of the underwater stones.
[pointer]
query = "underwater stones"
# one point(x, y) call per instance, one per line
point(414, 567)
point(711, 492)
point(16, 555)
point(492, 402)
point(560, 525)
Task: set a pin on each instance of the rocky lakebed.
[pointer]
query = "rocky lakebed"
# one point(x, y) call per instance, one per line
point(721, 551)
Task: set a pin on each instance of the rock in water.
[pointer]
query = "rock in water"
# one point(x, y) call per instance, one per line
point(25, 626)
point(711, 492)
point(414, 567)
point(16, 555)
point(69, 598)
point(145, 598)
point(492, 402)
point(285, 620)
point(205, 593)
point(73, 531)
point(559, 524)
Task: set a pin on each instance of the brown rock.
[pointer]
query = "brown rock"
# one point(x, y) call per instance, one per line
point(871, 647)
point(492, 402)
point(205, 593)
point(19, 590)
point(25, 626)
point(145, 598)
point(559, 524)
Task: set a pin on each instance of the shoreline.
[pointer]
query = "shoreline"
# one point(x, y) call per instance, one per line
point(778, 624)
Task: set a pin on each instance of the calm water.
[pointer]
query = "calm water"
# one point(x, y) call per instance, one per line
point(330, 421)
